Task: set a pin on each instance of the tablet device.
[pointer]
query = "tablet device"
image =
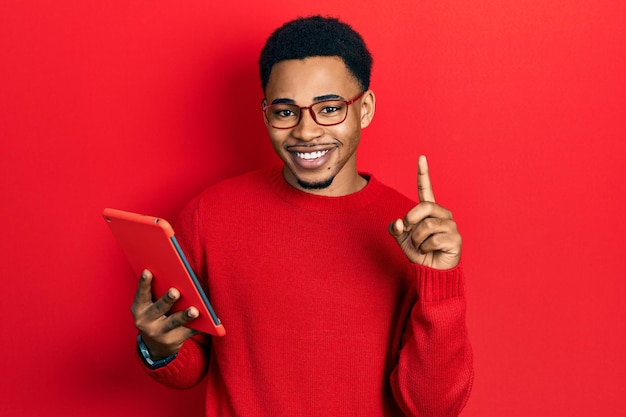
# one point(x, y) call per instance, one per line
point(149, 243)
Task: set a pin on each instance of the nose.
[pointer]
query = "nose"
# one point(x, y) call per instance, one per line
point(307, 129)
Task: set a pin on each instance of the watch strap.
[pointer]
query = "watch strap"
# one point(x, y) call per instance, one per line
point(144, 354)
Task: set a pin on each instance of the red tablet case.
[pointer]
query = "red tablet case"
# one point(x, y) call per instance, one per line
point(149, 243)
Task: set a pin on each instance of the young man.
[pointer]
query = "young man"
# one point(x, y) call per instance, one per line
point(331, 306)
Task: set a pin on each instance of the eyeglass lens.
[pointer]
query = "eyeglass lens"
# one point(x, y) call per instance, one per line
point(325, 113)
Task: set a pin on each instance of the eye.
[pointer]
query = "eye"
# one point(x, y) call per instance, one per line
point(330, 108)
point(285, 113)
point(282, 112)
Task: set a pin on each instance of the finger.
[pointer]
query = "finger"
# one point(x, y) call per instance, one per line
point(181, 318)
point(143, 295)
point(424, 187)
point(396, 228)
point(424, 210)
point(433, 227)
point(442, 242)
point(163, 304)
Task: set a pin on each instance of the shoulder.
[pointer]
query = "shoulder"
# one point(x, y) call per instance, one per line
point(249, 181)
point(240, 187)
point(232, 192)
point(388, 196)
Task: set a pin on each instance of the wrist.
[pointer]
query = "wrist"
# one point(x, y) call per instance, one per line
point(146, 357)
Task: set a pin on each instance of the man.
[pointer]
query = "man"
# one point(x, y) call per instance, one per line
point(325, 314)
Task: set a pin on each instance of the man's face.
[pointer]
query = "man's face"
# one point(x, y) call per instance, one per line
point(319, 159)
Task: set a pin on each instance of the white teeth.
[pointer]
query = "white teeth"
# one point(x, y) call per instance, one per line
point(311, 155)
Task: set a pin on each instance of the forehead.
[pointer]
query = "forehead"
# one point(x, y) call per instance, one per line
point(303, 79)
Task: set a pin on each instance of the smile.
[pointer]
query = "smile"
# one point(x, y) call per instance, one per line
point(309, 156)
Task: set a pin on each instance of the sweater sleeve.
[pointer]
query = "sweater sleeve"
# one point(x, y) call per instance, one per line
point(187, 370)
point(434, 373)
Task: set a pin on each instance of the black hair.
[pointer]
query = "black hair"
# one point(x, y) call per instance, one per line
point(317, 36)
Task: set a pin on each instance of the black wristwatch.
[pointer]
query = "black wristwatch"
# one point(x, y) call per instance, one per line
point(144, 353)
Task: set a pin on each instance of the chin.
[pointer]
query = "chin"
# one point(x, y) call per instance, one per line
point(315, 185)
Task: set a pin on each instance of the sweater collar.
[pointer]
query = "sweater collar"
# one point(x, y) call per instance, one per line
point(314, 202)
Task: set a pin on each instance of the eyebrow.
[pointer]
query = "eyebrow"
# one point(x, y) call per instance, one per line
point(328, 97)
point(315, 99)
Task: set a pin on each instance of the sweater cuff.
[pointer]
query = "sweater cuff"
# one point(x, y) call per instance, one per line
point(189, 354)
point(438, 285)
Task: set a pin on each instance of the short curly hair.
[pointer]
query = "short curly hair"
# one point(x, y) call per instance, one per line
point(317, 36)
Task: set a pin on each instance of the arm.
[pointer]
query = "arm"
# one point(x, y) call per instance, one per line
point(434, 373)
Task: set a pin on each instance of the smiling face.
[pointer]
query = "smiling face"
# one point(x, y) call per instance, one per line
point(319, 159)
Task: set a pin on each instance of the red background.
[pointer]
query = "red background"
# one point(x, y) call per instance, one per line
point(520, 106)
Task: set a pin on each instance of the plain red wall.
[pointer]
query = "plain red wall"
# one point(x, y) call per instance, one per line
point(520, 106)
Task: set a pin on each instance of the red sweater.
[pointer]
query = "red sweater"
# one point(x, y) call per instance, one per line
point(324, 314)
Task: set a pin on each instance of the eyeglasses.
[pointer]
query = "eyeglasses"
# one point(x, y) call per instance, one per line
point(325, 113)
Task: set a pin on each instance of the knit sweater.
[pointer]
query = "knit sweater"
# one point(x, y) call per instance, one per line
point(324, 314)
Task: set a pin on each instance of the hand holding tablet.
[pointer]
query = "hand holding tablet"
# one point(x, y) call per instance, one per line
point(149, 244)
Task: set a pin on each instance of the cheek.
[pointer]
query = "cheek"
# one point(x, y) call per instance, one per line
point(347, 133)
point(276, 137)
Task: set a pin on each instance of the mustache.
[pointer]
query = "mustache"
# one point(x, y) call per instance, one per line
point(312, 145)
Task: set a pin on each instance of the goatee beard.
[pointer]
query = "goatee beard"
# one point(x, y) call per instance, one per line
point(316, 185)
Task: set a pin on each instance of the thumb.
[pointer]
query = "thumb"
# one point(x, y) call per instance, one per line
point(396, 228)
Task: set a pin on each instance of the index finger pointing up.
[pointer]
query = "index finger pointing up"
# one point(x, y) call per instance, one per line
point(424, 188)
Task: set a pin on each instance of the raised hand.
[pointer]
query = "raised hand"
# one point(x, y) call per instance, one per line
point(428, 235)
point(163, 333)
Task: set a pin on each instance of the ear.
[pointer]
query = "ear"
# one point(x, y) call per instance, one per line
point(267, 123)
point(368, 108)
